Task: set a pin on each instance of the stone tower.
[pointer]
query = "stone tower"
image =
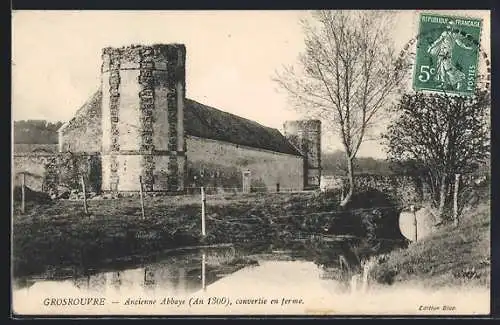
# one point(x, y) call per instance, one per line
point(142, 117)
point(305, 135)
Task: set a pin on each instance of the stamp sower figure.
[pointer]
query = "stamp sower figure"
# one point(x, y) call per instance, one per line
point(442, 49)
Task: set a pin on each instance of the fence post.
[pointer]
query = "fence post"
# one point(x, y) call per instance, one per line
point(455, 200)
point(415, 225)
point(84, 195)
point(142, 198)
point(203, 200)
point(23, 193)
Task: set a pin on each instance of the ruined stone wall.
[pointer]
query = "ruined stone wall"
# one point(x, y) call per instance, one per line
point(406, 190)
point(34, 165)
point(35, 148)
point(305, 135)
point(222, 164)
point(53, 173)
point(142, 118)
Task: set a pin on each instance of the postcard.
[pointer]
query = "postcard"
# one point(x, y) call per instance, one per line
point(331, 162)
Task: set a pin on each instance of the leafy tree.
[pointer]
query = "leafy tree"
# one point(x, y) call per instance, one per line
point(349, 71)
point(438, 136)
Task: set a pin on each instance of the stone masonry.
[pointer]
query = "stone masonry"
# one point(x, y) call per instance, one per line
point(142, 117)
point(305, 135)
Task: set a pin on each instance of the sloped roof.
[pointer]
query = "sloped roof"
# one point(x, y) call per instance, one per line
point(207, 122)
point(91, 108)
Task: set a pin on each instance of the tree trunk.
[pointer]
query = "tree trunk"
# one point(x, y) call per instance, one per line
point(443, 192)
point(350, 175)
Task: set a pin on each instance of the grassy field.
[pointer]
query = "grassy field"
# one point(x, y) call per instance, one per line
point(58, 234)
point(451, 256)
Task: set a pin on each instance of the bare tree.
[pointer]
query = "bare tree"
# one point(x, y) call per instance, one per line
point(349, 71)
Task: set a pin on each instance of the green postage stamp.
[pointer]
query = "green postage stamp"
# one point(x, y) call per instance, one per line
point(447, 54)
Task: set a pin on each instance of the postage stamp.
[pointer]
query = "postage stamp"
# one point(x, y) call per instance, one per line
point(447, 54)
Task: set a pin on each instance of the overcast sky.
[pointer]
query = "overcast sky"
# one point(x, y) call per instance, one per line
point(231, 57)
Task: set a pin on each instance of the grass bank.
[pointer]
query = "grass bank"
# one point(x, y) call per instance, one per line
point(56, 235)
point(451, 256)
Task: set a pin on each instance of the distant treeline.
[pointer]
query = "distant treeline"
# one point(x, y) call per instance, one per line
point(36, 132)
point(334, 163)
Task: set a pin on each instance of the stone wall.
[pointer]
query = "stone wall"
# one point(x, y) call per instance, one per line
point(34, 166)
point(35, 148)
point(406, 190)
point(330, 183)
point(219, 164)
point(53, 173)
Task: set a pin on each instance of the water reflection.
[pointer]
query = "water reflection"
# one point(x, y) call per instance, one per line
point(195, 270)
point(323, 277)
point(177, 274)
point(203, 272)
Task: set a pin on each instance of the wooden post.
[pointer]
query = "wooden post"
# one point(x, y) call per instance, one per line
point(203, 200)
point(142, 198)
point(23, 193)
point(246, 181)
point(455, 200)
point(84, 195)
point(415, 225)
point(203, 280)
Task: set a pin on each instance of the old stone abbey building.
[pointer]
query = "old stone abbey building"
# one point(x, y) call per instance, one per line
point(140, 126)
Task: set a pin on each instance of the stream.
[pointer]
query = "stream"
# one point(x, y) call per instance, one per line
point(226, 280)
